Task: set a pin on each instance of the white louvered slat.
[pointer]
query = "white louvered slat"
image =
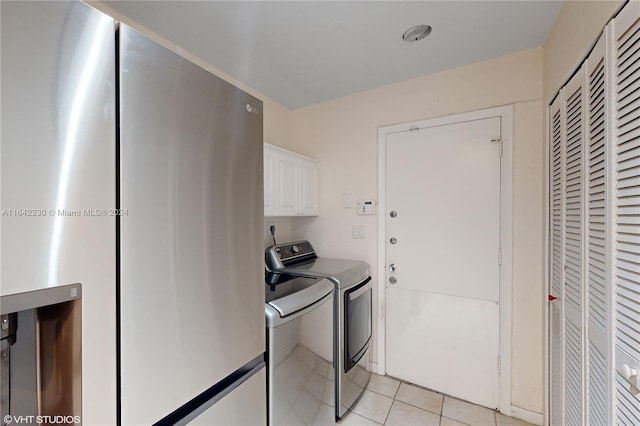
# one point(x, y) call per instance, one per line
point(626, 104)
point(627, 210)
point(627, 85)
point(628, 46)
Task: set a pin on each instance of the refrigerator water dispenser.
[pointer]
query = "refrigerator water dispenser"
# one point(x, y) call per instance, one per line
point(40, 356)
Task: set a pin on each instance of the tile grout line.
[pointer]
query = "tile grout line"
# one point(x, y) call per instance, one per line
point(441, 414)
point(393, 400)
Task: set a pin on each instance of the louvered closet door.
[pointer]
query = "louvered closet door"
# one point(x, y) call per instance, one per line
point(556, 313)
point(598, 361)
point(573, 103)
point(627, 213)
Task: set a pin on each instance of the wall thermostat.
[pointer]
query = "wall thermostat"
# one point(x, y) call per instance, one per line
point(366, 207)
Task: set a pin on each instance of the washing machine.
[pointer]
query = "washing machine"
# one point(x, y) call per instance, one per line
point(300, 356)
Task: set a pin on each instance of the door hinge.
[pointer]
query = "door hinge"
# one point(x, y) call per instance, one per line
point(500, 142)
point(500, 257)
point(499, 365)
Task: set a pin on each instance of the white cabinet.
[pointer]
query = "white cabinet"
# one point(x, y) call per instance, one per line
point(290, 183)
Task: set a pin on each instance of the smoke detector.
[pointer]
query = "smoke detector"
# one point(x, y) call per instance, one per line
point(416, 33)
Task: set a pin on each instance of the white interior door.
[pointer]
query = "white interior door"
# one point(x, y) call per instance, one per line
point(443, 258)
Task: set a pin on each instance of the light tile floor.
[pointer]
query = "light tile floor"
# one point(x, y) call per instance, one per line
point(392, 403)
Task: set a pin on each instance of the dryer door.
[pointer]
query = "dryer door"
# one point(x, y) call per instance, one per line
point(357, 322)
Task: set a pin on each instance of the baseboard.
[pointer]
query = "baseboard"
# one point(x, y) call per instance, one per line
point(527, 415)
point(373, 367)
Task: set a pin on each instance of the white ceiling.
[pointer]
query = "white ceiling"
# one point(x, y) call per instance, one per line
point(304, 52)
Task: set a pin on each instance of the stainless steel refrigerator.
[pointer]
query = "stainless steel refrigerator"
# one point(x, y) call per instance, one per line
point(190, 196)
point(57, 161)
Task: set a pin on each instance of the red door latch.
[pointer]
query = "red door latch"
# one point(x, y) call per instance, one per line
point(552, 298)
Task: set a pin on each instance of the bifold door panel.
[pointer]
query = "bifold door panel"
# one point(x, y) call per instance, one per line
point(597, 240)
point(626, 241)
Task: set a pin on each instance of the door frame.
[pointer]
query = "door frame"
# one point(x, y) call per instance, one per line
point(505, 113)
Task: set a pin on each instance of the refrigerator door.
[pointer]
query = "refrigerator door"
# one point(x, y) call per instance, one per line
point(191, 290)
point(246, 405)
point(57, 172)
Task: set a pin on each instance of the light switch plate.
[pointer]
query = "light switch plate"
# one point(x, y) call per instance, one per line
point(347, 201)
point(357, 232)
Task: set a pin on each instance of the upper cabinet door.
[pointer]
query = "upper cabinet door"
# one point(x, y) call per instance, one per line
point(308, 187)
point(290, 183)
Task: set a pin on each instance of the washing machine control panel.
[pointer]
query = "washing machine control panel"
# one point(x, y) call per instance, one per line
point(282, 255)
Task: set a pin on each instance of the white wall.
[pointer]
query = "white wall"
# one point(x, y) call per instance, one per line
point(576, 29)
point(342, 135)
point(283, 230)
point(528, 266)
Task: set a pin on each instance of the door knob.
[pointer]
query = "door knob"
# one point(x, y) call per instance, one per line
point(393, 280)
point(393, 213)
point(393, 240)
point(631, 375)
point(392, 267)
